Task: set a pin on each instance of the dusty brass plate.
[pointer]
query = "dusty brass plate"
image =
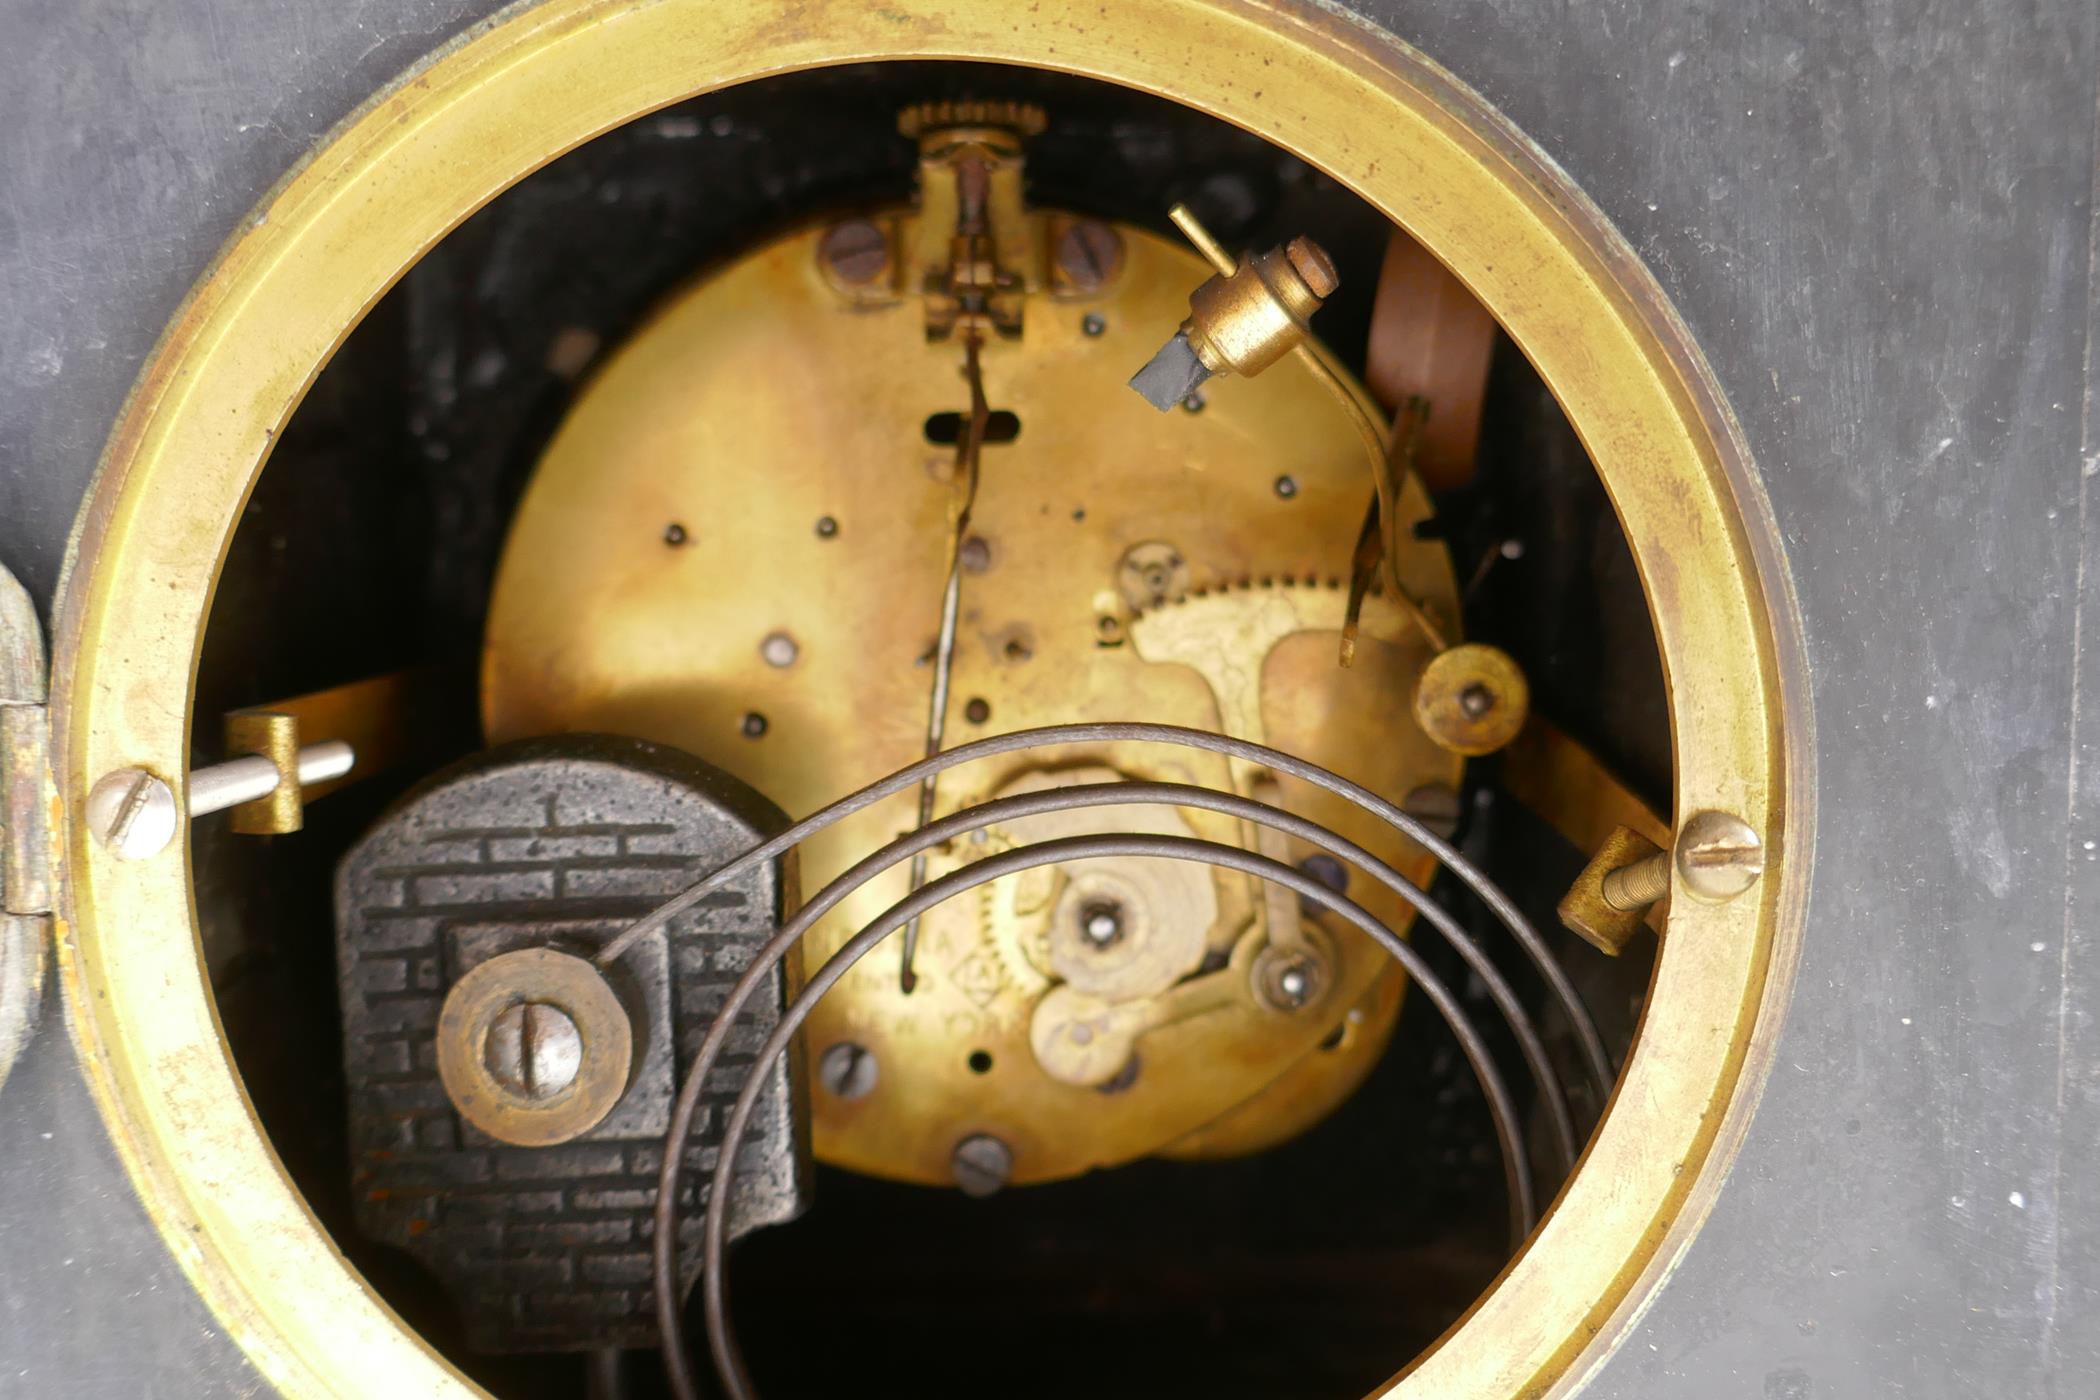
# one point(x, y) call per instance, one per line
point(761, 402)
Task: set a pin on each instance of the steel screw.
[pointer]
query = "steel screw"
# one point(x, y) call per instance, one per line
point(975, 554)
point(1287, 979)
point(1093, 323)
point(533, 1049)
point(856, 251)
point(982, 1165)
point(1476, 700)
point(1089, 254)
point(1327, 870)
point(848, 1070)
point(827, 528)
point(1718, 855)
point(779, 649)
point(1102, 924)
point(1632, 888)
point(132, 813)
point(754, 725)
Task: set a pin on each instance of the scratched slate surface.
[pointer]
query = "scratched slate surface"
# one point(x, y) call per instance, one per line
point(1877, 219)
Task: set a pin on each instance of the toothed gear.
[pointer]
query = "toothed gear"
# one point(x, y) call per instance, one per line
point(1024, 118)
point(1319, 602)
point(1310, 581)
point(1018, 912)
point(1017, 941)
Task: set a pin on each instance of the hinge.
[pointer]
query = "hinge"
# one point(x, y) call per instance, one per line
point(25, 756)
point(26, 799)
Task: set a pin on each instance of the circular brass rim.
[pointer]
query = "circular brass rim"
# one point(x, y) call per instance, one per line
point(1349, 99)
point(534, 975)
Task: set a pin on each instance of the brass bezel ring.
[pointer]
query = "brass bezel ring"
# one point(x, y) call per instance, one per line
point(329, 241)
point(555, 978)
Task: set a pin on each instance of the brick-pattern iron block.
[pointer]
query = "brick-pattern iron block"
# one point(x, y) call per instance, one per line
point(557, 843)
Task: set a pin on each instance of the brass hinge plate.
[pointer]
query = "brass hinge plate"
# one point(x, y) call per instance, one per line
point(27, 799)
point(25, 756)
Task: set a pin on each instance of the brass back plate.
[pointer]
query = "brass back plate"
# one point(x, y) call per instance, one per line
point(762, 401)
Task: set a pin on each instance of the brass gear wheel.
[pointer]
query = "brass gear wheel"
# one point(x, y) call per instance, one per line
point(1022, 118)
point(1173, 907)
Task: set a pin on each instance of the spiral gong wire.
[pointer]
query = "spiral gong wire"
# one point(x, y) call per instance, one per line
point(1501, 1106)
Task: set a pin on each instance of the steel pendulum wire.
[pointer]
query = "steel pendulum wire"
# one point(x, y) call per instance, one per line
point(967, 453)
point(729, 1363)
point(1065, 799)
point(669, 1294)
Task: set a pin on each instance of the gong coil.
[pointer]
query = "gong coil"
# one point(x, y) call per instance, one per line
point(1141, 845)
